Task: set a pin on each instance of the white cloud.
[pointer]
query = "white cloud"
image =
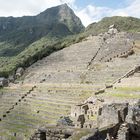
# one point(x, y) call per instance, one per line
point(88, 14)
point(28, 7)
point(133, 9)
point(93, 13)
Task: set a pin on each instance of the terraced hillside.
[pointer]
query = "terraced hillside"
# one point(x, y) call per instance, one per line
point(64, 66)
point(50, 86)
point(42, 106)
point(126, 90)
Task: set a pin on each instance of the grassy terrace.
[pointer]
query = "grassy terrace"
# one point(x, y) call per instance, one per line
point(123, 93)
point(81, 133)
point(42, 106)
point(48, 102)
point(134, 89)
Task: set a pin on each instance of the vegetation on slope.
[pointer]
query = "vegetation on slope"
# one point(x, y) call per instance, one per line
point(35, 52)
point(25, 40)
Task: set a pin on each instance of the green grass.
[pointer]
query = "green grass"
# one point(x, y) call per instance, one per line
point(93, 118)
point(45, 45)
point(50, 102)
point(136, 89)
point(80, 134)
point(7, 90)
point(129, 24)
point(123, 95)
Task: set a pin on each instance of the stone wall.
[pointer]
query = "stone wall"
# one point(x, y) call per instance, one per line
point(85, 114)
point(112, 114)
point(45, 133)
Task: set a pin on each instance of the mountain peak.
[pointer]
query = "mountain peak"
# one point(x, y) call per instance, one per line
point(54, 22)
point(62, 14)
point(64, 5)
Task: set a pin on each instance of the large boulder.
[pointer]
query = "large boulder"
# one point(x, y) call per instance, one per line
point(3, 82)
point(64, 121)
point(19, 72)
point(112, 114)
point(112, 30)
point(133, 119)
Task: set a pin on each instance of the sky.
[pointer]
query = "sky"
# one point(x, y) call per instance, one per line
point(88, 11)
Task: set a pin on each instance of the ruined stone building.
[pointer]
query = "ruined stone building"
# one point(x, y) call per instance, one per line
point(19, 72)
point(112, 29)
point(85, 114)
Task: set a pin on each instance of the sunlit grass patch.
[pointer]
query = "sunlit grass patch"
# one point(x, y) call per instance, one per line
point(80, 134)
point(123, 95)
point(93, 118)
point(128, 89)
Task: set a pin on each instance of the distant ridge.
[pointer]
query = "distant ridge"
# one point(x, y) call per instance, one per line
point(128, 24)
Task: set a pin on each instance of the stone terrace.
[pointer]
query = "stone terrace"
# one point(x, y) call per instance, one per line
point(64, 66)
point(45, 105)
point(58, 81)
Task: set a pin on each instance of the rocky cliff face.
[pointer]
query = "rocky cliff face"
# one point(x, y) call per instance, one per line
point(116, 113)
point(61, 14)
